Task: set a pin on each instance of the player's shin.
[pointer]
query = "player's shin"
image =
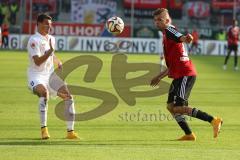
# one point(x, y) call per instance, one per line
point(201, 115)
point(70, 114)
point(43, 107)
point(183, 123)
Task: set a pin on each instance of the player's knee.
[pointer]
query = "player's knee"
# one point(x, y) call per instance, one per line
point(182, 110)
point(44, 93)
point(170, 108)
point(67, 96)
point(64, 94)
point(175, 110)
point(41, 91)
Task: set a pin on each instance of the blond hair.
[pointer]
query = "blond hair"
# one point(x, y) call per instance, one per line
point(159, 11)
point(163, 11)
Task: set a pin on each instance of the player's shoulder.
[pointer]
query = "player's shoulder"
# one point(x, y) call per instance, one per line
point(34, 38)
point(171, 27)
point(51, 37)
point(172, 31)
point(238, 28)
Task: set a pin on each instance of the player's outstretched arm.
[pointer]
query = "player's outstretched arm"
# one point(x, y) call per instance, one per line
point(157, 79)
point(187, 38)
point(57, 61)
point(38, 60)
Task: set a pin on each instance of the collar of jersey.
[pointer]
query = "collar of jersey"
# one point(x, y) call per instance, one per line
point(44, 37)
point(170, 25)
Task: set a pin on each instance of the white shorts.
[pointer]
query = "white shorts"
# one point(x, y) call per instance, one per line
point(51, 82)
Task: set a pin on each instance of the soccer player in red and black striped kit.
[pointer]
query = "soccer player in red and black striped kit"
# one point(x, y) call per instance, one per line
point(233, 38)
point(183, 73)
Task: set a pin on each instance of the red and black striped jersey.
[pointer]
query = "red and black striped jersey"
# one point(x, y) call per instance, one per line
point(175, 54)
point(233, 35)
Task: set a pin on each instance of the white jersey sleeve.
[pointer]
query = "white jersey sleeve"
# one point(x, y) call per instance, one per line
point(33, 47)
point(53, 40)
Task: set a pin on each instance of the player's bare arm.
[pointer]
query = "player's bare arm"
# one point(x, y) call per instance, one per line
point(187, 38)
point(57, 61)
point(39, 60)
point(157, 79)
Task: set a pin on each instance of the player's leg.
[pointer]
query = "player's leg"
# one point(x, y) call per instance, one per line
point(1, 44)
point(171, 105)
point(183, 95)
point(6, 42)
point(42, 93)
point(216, 122)
point(227, 57)
point(195, 45)
point(3, 41)
point(64, 93)
point(235, 58)
point(189, 135)
point(191, 49)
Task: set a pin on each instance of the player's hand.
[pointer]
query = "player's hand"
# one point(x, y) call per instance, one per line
point(60, 65)
point(155, 81)
point(50, 44)
point(189, 38)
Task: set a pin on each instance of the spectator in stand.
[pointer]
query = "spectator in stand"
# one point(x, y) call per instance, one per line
point(1, 14)
point(5, 34)
point(194, 45)
point(5, 13)
point(221, 35)
point(13, 12)
point(0, 36)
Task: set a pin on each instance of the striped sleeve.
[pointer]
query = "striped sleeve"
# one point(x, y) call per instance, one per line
point(173, 34)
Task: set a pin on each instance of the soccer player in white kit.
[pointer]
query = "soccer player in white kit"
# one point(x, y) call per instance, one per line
point(42, 59)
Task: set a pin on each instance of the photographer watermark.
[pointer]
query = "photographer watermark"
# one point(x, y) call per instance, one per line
point(118, 75)
point(142, 116)
point(119, 46)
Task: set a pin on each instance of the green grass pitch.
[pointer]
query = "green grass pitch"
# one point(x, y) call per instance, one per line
point(111, 136)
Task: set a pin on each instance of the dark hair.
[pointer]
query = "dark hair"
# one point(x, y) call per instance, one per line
point(43, 16)
point(159, 11)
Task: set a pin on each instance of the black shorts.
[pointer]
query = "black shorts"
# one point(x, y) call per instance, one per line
point(233, 47)
point(180, 90)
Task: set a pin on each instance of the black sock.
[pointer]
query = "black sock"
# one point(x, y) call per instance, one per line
point(183, 123)
point(201, 115)
point(69, 130)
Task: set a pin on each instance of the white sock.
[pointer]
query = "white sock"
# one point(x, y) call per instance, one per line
point(43, 106)
point(70, 114)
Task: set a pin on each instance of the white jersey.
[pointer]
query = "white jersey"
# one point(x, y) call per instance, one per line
point(37, 45)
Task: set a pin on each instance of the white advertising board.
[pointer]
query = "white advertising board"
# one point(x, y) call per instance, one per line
point(128, 45)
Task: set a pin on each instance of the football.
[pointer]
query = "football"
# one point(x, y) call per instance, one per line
point(115, 25)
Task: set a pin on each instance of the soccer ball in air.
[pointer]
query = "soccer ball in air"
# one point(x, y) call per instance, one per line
point(115, 25)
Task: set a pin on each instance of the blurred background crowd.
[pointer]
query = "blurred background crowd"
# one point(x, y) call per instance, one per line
point(209, 18)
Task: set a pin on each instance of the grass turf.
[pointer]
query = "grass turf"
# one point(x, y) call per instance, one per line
point(116, 135)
